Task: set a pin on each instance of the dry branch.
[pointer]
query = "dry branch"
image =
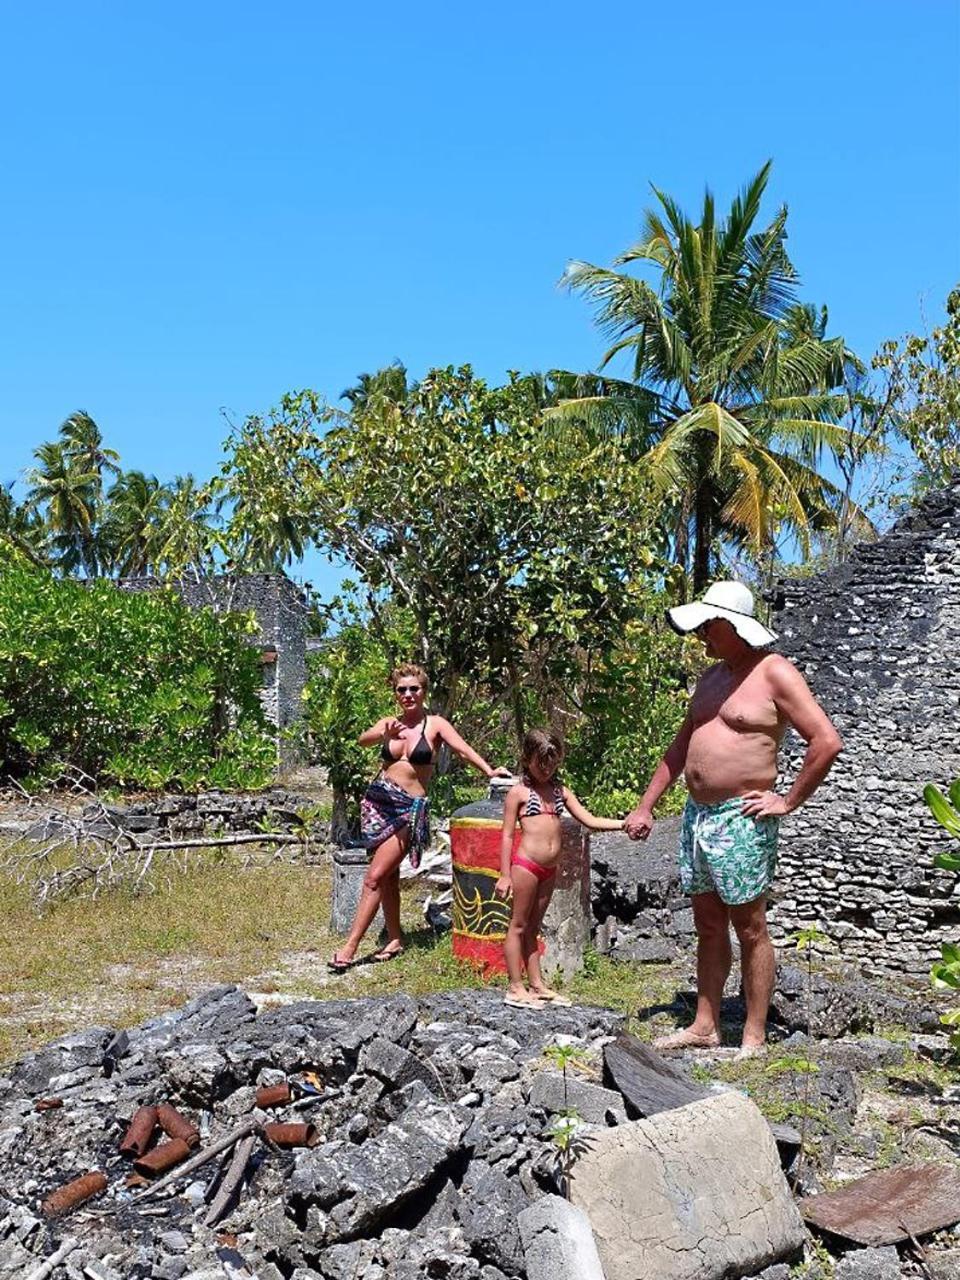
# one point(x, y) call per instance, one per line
point(94, 852)
point(231, 1180)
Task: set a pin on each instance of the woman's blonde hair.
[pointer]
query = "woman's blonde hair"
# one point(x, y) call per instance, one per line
point(542, 745)
point(409, 670)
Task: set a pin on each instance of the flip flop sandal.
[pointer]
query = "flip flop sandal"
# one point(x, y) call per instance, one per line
point(554, 997)
point(517, 1002)
point(336, 965)
point(381, 957)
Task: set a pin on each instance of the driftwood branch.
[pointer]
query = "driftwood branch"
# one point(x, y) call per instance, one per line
point(231, 1180)
point(250, 1126)
point(94, 852)
point(48, 1267)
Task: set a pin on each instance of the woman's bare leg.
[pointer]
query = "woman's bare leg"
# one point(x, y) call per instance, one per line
point(524, 905)
point(390, 899)
point(386, 860)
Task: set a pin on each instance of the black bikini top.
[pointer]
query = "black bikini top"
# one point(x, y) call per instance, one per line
point(534, 806)
point(421, 754)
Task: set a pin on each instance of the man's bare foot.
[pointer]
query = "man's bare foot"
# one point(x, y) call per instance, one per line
point(750, 1051)
point(687, 1038)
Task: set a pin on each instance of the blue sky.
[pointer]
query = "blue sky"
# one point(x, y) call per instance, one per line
point(207, 205)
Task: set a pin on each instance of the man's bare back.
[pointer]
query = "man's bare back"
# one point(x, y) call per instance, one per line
point(736, 729)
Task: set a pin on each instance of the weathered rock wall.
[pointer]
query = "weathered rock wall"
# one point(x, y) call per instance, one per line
point(280, 609)
point(878, 639)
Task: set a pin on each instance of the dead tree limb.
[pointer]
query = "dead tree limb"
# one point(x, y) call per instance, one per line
point(250, 1126)
point(231, 1180)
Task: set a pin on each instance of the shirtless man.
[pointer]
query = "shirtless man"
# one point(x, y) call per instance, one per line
point(727, 751)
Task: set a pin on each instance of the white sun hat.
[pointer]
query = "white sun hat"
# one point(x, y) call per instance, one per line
point(730, 600)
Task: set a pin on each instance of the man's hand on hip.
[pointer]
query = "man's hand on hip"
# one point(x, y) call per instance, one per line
point(764, 804)
point(638, 824)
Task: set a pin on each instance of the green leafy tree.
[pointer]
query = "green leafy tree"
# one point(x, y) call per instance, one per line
point(924, 373)
point(67, 499)
point(507, 543)
point(21, 529)
point(132, 688)
point(736, 377)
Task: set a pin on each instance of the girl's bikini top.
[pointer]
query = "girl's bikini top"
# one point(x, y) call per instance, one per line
point(534, 806)
point(421, 754)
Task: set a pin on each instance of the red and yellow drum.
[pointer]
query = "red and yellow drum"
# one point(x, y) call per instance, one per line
point(480, 918)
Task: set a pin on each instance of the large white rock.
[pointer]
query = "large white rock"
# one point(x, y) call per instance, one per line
point(696, 1193)
point(557, 1242)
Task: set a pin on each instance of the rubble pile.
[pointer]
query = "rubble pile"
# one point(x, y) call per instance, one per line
point(377, 1137)
point(424, 1146)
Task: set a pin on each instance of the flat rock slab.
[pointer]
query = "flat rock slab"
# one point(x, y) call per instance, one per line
point(890, 1206)
point(557, 1242)
point(695, 1193)
point(869, 1264)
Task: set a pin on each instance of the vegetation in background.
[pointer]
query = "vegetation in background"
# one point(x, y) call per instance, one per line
point(945, 974)
point(137, 689)
point(733, 398)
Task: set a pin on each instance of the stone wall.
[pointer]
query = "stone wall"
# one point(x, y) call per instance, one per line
point(281, 612)
point(878, 639)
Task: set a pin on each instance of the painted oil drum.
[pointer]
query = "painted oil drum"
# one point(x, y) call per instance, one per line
point(480, 918)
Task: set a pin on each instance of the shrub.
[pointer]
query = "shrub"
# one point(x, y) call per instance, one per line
point(132, 688)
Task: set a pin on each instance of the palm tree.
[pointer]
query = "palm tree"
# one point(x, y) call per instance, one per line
point(83, 443)
point(68, 500)
point(134, 522)
point(187, 537)
point(21, 527)
point(731, 399)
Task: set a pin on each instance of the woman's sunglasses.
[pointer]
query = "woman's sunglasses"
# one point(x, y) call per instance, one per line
point(407, 688)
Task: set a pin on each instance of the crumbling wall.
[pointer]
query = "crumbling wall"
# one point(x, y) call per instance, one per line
point(878, 639)
point(281, 612)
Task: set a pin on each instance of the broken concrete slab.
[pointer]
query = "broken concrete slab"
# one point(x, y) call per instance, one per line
point(593, 1103)
point(694, 1193)
point(888, 1207)
point(558, 1242)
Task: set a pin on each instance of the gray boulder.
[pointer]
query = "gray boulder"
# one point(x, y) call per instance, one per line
point(593, 1103)
point(869, 1264)
point(695, 1193)
point(558, 1243)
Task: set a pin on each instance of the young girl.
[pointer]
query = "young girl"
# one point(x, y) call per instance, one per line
point(537, 802)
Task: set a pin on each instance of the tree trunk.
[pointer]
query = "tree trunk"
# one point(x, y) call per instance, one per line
point(703, 535)
point(339, 816)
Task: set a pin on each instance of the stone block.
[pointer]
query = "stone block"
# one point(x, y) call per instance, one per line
point(593, 1103)
point(869, 1264)
point(696, 1193)
point(349, 869)
point(558, 1242)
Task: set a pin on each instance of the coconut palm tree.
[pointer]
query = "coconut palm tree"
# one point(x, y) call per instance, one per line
point(737, 379)
point(21, 527)
point(83, 444)
point(67, 498)
point(136, 507)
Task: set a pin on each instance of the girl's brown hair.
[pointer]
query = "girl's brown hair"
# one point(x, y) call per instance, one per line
point(542, 745)
point(410, 671)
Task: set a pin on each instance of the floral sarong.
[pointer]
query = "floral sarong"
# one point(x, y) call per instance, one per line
point(724, 851)
point(386, 809)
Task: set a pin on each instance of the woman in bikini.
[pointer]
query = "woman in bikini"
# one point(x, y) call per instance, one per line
point(394, 812)
point(537, 803)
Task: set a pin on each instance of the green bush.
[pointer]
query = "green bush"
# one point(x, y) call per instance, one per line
point(630, 717)
point(131, 688)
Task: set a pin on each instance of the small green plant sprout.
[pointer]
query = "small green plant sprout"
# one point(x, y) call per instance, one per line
point(564, 1055)
point(565, 1135)
point(807, 939)
point(945, 973)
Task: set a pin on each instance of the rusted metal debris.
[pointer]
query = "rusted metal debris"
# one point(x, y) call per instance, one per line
point(48, 1104)
point(273, 1095)
point(140, 1132)
point(73, 1193)
point(291, 1135)
point(174, 1125)
point(163, 1157)
point(890, 1206)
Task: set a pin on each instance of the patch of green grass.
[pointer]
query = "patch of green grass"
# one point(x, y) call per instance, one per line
point(627, 988)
